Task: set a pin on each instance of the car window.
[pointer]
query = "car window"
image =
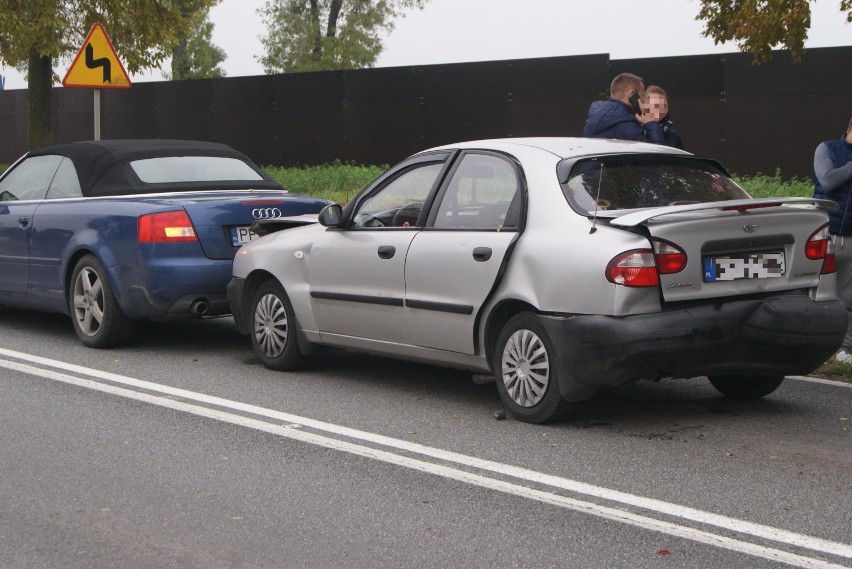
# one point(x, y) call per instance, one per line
point(628, 182)
point(30, 179)
point(399, 203)
point(65, 183)
point(172, 169)
point(480, 194)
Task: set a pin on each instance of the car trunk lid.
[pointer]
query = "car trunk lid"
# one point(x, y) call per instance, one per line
point(763, 248)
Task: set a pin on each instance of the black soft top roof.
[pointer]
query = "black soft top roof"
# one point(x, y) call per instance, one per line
point(103, 165)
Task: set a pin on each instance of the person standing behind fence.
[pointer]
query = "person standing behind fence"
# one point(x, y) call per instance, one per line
point(621, 115)
point(833, 171)
point(657, 103)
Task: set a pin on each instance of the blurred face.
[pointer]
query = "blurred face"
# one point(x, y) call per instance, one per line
point(656, 105)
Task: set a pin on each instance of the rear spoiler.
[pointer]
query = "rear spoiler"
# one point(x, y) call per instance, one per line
point(632, 218)
point(267, 226)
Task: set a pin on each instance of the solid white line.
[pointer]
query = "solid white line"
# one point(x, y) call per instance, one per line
point(833, 382)
point(757, 530)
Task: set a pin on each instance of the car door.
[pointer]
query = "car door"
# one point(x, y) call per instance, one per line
point(455, 262)
point(21, 191)
point(357, 273)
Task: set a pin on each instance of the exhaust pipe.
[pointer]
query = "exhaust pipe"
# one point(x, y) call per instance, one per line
point(199, 307)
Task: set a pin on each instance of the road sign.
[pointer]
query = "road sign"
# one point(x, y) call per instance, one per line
point(97, 66)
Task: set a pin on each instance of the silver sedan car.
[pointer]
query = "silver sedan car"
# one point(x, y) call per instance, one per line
point(556, 266)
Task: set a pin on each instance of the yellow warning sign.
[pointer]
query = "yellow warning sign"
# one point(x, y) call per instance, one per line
point(97, 66)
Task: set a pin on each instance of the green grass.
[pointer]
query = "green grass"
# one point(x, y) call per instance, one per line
point(765, 186)
point(338, 182)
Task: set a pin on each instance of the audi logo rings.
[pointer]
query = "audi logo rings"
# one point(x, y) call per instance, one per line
point(266, 213)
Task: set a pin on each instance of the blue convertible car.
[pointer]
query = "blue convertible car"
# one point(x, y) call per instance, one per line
point(115, 231)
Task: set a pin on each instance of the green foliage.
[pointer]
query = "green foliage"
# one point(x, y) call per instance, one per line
point(338, 182)
point(765, 186)
point(325, 35)
point(759, 25)
point(196, 56)
point(141, 31)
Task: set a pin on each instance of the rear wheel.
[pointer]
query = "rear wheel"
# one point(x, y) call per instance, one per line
point(527, 374)
point(97, 318)
point(746, 387)
point(273, 332)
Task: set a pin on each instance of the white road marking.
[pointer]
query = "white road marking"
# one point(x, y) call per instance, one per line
point(290, 429)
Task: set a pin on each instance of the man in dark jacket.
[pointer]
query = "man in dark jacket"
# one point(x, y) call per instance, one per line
point(833, 170)
point(616, 117)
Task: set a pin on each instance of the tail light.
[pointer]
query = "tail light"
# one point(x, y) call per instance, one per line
point(670, 259)
point(819, 246)
point(643, 267)
point(166, 227)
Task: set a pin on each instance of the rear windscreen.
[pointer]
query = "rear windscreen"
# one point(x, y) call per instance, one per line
point(629, 182)
point(173, 169)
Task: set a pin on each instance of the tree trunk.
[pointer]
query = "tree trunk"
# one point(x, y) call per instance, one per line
point(180, 65)
point(333, 14)
point(39, 101)
point(316, 52)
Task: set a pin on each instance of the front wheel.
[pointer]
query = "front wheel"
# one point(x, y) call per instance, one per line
point(527, 372)
point(273, 331)
point(97, 318)
point(746, 387)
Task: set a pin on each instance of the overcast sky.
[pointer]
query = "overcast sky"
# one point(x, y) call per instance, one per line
point(451, 31)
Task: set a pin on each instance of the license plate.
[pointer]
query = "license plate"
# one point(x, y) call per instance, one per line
point(747, 266)
point(242, 235)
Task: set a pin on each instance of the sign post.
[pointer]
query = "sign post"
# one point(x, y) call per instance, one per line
point(97, 67)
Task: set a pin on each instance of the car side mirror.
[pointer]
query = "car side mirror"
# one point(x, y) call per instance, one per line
point(331, 215)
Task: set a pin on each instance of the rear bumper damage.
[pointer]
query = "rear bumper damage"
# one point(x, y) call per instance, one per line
point(778, 335)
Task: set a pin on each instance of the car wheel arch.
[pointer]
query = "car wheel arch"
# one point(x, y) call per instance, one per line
point(497, 318)
point(253, 281)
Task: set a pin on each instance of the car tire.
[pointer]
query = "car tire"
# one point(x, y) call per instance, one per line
point(527, 373)
point(273, 328)
point(745, 387)
point(97, 318)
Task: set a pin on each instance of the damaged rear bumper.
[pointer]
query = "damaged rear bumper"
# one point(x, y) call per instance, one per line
point(777, 335)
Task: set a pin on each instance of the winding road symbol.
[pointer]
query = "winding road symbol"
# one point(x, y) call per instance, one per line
point(93, 63)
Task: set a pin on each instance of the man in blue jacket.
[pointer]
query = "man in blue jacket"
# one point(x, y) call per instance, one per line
point(616, 117)
point(833, 172)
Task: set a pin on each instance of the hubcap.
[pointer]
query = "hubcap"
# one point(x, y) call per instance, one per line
point(89, 301)
point(525, 368)
point(270, 325)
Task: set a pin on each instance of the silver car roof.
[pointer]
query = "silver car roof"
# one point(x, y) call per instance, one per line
point(564, 147)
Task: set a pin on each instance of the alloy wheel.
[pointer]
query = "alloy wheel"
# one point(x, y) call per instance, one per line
point(270, 325)
point(89, 301)
point(525, 368)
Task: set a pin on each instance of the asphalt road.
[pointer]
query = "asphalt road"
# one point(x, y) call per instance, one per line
point(183, 451)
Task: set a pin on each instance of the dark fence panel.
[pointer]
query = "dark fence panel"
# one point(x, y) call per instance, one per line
point(752, 118)
point(13, 125)
point(384, 114)
point(130, 113)
point(551, 96)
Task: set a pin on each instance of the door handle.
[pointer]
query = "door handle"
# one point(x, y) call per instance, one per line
point(482, 254)
point(23, 221)
point(386, 251)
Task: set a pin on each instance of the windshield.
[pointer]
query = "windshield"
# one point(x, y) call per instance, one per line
point(629, 182)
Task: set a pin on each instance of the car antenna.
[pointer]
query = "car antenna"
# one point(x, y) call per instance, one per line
point(597, 201)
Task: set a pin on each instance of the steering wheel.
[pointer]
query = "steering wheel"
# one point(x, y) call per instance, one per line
point(368, 220)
